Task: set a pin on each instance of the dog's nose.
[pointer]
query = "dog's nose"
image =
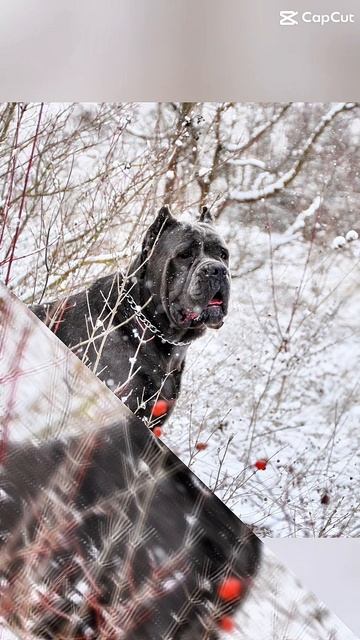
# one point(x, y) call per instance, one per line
point(215, 270)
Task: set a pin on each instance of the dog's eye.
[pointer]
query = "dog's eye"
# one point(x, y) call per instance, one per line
point(186, 253)
point(224, 255)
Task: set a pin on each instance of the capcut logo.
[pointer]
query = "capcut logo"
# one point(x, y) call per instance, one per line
point(288, 18)
point(292, 18)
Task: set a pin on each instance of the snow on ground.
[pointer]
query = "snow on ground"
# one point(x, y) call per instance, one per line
point(253, 391)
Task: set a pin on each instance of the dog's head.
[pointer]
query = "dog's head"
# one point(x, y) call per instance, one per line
point(186, 271)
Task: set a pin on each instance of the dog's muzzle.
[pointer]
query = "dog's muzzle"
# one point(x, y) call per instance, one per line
point(209, 294)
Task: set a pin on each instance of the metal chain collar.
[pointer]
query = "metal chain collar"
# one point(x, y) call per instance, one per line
point(141, 316)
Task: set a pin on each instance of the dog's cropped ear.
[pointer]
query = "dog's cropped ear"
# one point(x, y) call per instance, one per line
point(163, 220)
point(205, 215)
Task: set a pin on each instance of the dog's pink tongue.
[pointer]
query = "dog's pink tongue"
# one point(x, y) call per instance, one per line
point(215, 303)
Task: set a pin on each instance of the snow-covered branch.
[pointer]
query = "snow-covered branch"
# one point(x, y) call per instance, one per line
point(279, 184)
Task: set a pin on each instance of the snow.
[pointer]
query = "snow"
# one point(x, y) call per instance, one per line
point(338, 242)
point(301, 217)
point(244, 162)
point(351, 235)
point(203, 171)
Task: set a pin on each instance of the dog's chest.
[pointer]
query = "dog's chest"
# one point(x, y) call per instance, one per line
point(175, 361)
point(167, 369)
point(141, 372)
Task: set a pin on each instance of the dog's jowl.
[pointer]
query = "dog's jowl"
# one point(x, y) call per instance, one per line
point(133, 331)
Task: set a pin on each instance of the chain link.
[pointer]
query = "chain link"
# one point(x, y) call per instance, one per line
point(141, 316)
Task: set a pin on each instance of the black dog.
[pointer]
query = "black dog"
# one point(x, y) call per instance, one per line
point(134, 331)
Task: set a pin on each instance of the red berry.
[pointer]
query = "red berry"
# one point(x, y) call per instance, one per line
point(160, 408)
point(157, 431)
point(261, 464)
point(230, 589)
point(200, 446)
point(226, 624)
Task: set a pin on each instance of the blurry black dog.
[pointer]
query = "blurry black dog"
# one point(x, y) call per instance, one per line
point(134, 331)
point(108, 536)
